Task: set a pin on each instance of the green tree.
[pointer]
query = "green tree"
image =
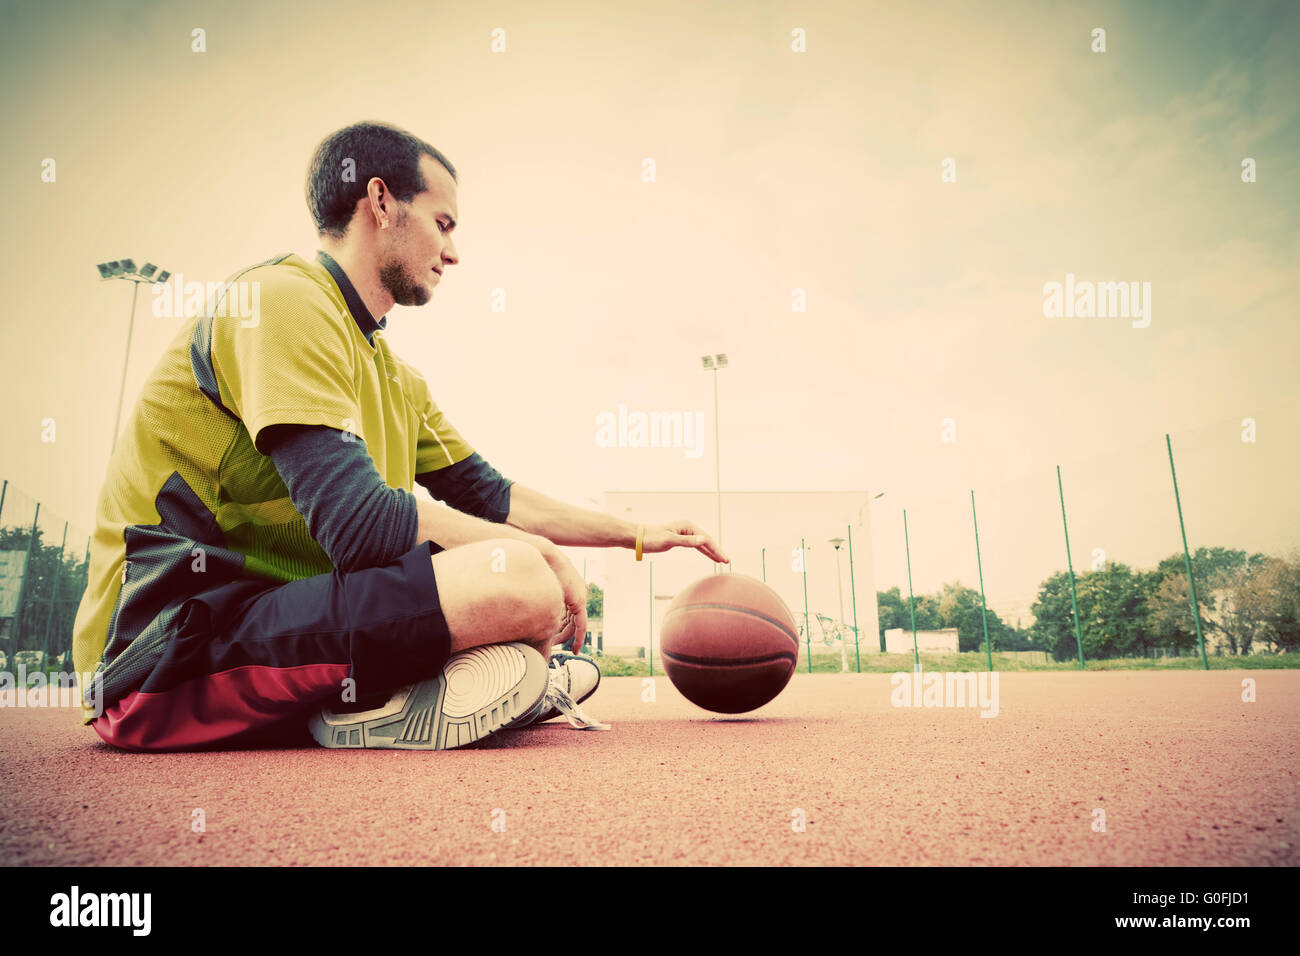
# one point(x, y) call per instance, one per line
point(1113, 609)
point(1207, 563)
point(1011, 638)
point(891, 608)
point(960, 607)
point(1251, 598)
point(1214, 569)
point(1169, 615)
point(928, 617)
point(1271, 596)
point(1123, 612)
point(595, 601)
point(1112, 614)
point(952, 606)
point(1053, 628)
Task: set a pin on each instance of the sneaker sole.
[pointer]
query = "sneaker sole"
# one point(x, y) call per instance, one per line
point(479, 692)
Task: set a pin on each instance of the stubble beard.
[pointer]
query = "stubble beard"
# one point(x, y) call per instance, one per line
point(400, 285)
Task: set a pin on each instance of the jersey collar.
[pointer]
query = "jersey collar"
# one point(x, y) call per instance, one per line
point(360, 314)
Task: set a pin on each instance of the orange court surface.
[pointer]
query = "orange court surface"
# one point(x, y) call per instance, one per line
point(830, 773)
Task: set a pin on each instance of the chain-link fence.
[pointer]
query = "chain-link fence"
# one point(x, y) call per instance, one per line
point(43, 574)
point(1124, 589)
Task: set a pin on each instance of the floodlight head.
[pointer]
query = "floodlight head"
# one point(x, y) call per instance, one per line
point(105, 270)
point(837, 542)
point(128, 266)
point(707, 360)
point(148, 270)
point(722, 360)
point(163, 276)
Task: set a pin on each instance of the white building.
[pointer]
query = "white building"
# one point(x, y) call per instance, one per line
point(899, 641)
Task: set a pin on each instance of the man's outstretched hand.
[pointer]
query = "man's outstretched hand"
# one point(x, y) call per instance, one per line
point(657, 538)
point(681, 534)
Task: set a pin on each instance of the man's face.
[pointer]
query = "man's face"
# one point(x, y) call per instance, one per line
point(417, 245)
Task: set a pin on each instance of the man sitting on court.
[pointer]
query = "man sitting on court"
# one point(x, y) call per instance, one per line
point(260, 560)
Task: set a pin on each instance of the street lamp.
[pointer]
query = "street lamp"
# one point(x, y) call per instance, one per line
point(125, 269)
point(864, 521)
point(712, 363)
point(839, 583)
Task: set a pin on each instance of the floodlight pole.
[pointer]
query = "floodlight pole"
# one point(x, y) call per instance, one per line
point(126, 360)
point(125, 269)
point(713, 363)
point(853, 590)
point(839, 584)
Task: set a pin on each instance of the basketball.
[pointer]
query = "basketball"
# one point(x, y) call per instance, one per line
point(729, 643)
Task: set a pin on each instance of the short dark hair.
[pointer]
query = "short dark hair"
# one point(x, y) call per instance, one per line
point(375, 149)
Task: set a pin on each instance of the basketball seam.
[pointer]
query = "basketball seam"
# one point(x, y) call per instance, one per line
point(741, 610)
point(770, 658)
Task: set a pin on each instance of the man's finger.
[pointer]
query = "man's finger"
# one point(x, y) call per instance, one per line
point(705, 544)
point(580, 633)
point(579, 613)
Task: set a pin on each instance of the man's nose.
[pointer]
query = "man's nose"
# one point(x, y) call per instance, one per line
point(449, 255)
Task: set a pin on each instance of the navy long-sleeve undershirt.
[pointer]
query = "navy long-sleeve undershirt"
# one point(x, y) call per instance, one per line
point(352, 512)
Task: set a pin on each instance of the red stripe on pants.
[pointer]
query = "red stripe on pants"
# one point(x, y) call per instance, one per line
point(216, 707)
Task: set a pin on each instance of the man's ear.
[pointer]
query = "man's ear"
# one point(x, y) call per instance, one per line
point(377, 196)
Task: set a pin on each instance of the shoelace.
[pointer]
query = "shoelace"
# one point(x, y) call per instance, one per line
point(559, 698)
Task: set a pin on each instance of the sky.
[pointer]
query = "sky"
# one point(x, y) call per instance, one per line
point(860, 207)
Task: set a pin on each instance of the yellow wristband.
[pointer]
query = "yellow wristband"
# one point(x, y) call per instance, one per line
point(640, 535)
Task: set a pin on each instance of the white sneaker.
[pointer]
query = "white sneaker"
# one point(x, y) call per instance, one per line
point(573, 678)
point(478, 692)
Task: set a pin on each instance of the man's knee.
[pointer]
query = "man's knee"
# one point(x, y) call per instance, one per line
point(500, 589)
point(528, 586)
